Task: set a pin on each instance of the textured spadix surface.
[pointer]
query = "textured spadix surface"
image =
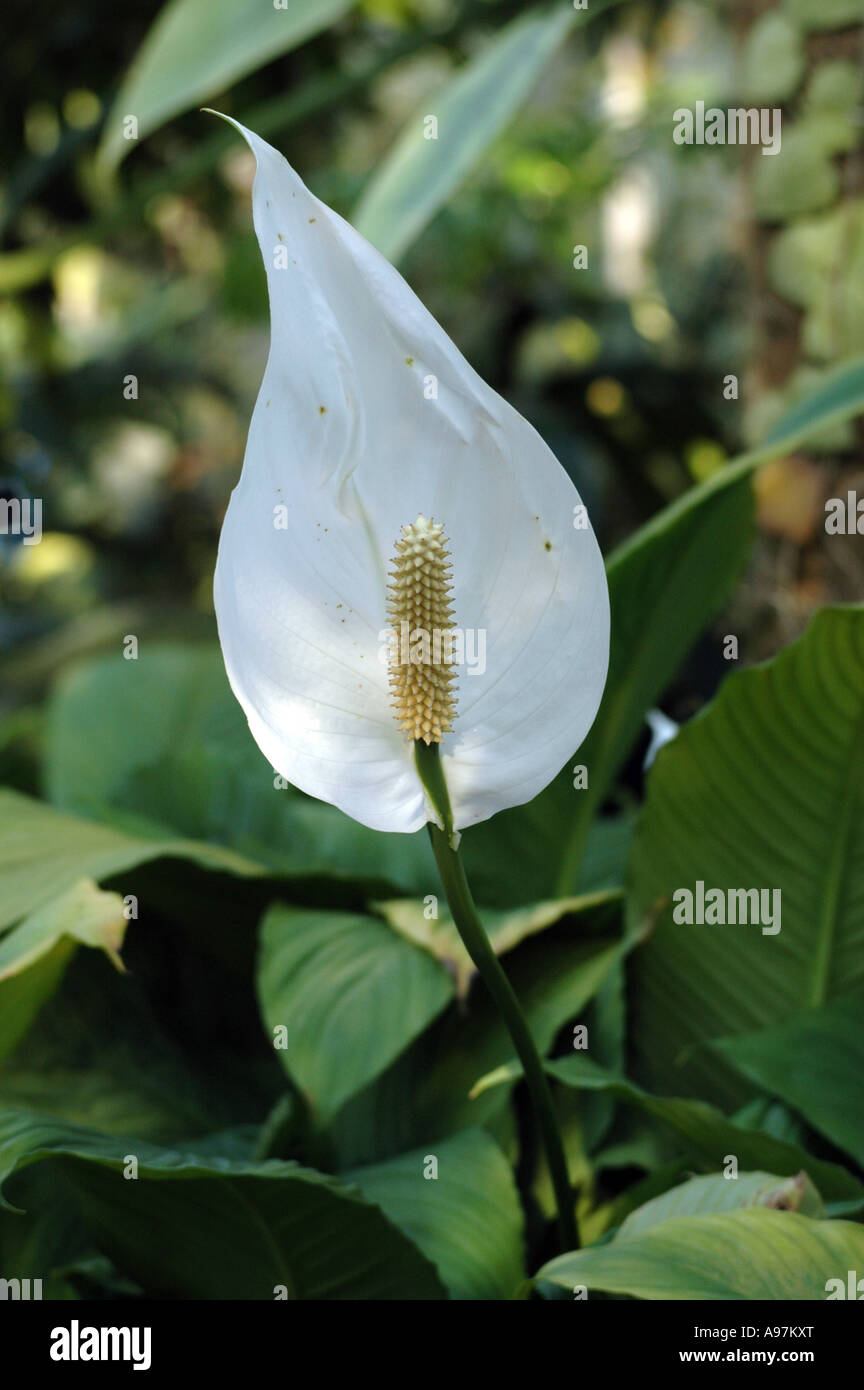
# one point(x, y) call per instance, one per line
point(422, 676)
point(368, 417)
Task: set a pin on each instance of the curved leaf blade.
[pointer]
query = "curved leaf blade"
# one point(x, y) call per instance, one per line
point(350, 995)
point(83, 914)
point(419, 174)
point(713, 1193)
point(194, 1226)
point(707, 1134)
point(43, 853)
point(467, 1219)
point(505, 930)
point(764, 790)
point(813, 1061)
point(751, 1254)
point(197, 48)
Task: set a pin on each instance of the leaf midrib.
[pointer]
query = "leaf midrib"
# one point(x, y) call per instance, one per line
point(840, 845)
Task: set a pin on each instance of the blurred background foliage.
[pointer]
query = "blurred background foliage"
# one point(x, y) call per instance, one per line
point(152, 270)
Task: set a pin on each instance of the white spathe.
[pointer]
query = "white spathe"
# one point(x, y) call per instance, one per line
point(369, 416)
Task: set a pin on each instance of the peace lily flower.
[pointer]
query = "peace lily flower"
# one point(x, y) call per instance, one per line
point(388, 494)
point(393, 515)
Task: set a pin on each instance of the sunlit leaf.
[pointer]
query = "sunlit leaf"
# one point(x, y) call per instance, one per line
point(83, 913)
point(749, 1254)
point(715, 1193)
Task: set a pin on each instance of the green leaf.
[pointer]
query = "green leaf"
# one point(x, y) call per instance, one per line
point(513, 857)
point(83, 914)
point(467, 1219)
point(839, 397)
point(666, 583)
point(707, 1133)
point(606, 1021)
point(34, 955)
point(350, 995)
point(752, 1254)
point(44, 853)
point(171, 698)
point(420, 173)
point(207, 1066)
point(425, 1095)
point(440, 937)
point(554, 979)
point(197, 48)
point(763, 790)
point(716, 1193)
point(193, 1226)
point(159, 1106)
point(815, 1062)
point(22, 996)
point(177, 754)
point(43, 1241)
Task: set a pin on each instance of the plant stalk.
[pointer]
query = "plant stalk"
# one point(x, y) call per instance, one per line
point(477, 944)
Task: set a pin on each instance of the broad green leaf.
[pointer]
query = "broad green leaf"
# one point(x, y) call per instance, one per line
point(197, 48)
point(34, 955)
point(22, 996)
point(607, 852)
point(663, 592)
point(555, 978)
point(715, 1193)
point(194, 1226)
point(346, 994)
point(440, 937)
point(815, 1062)
point(190, 1015)
point(763, 790)
point(751, 1254)
point(706, 1132)
point(83, 913)
point(44, 853)
point(425, 1094)
point(666, 583)
point(116, 1099)
point(512, 857)
point(42, 1242)
point(466, 1219)
point(172, 698)
point(82, 1059)
point(421, 171)
point(177, 754)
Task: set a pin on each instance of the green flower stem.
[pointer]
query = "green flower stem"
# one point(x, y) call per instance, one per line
point(477, 944)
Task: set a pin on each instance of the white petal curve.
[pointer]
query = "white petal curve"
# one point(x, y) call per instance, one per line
point(348, 435)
